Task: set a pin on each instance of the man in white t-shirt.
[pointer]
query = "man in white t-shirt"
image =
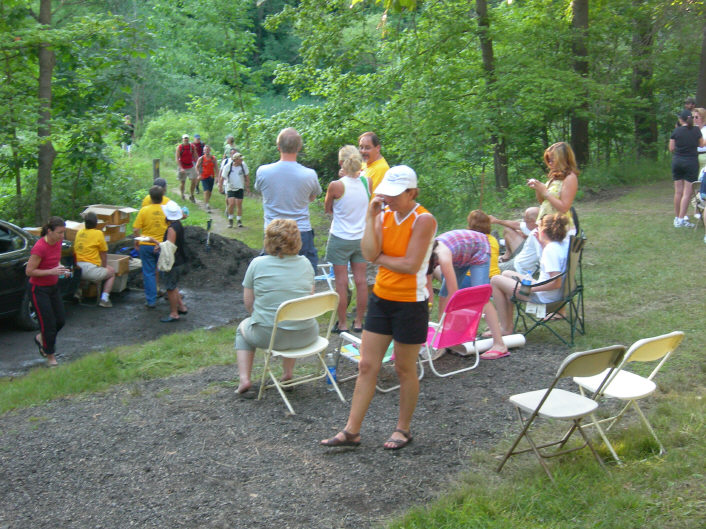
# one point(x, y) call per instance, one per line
point(287, 188)
point(516, 235)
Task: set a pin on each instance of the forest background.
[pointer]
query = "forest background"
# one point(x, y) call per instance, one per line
point(468, 93)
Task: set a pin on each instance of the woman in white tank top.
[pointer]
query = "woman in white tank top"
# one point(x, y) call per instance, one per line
point(347, 200)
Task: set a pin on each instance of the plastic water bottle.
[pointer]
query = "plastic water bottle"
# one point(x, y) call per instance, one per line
point(526, 285)
point(331, 366)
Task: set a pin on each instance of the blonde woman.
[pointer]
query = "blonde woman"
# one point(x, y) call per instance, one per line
point(347, 200)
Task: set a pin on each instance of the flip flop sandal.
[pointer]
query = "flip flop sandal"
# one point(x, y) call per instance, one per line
point(182, 311)
point(494, 354)
point(42, 352)
point(357, 329)
point(398, 444)
point(168, 319)
point(348, 440)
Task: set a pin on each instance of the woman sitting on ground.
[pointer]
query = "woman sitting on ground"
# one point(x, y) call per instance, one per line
point(552, 236)
point(271, 279)
point(347, 200)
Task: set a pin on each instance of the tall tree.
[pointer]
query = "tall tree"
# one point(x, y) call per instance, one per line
point(642, 83)
point(46, 61)
point(701, 86)
point(579, 117)
point(497, 140)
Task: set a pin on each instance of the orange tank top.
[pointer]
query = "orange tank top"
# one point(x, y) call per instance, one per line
point(207, 167)
point(396, 233)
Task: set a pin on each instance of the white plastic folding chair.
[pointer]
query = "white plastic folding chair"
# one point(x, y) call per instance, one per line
point(630, 387)
point(326, 274)
point(350, 350)
point(555, 403)
point(293, 310)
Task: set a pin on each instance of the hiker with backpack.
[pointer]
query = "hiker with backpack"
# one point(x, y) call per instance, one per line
point(186, 166)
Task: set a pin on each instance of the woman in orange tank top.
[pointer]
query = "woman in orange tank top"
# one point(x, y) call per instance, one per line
point(398, 237)
point(206, 168)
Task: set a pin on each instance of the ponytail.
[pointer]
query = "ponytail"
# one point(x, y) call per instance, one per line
point(52, 224)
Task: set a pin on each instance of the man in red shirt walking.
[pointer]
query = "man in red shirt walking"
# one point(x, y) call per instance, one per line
point(186, 161)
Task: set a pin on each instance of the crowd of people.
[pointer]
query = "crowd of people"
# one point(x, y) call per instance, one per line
point(376, 220)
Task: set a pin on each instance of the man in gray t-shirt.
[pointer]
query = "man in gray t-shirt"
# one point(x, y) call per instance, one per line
point(287, 188)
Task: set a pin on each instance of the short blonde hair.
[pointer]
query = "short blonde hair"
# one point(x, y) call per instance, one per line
point(350, 159)
point(282, 238)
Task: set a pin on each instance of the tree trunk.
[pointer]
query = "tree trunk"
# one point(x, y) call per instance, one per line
point(579, 120)
point(701, 84)
point(46, 153)
point(646, 135)
point(497, 140)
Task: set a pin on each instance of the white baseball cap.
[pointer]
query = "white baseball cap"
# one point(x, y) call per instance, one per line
point(397, 180)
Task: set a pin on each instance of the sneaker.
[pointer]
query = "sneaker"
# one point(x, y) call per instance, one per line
point(686, 224)
point(105, 303)
point(183, 197)
point(230, 223)
point(192, 199)
point(208, 208)
point(677, 222)
point(240, 224)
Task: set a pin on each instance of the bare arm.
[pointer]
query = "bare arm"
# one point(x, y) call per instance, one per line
point(672, 144)
point(411, 262)
point(104, 259)
point(447, 268)
point(511, 224)
point(199, 163)
point(563, 202)
point(333, 192)
point(553, 285)
point(31, 269)
point(371, 244)
point(248, 299)
point(176, 157)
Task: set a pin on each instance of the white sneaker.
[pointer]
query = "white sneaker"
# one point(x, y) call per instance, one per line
point(686, 224)
point(704, 239)
point(677, 222)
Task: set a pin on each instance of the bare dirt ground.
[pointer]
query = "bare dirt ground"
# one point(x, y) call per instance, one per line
point(187, 452)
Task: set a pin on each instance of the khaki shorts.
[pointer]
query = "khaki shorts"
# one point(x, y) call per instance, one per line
point(342, 251)
point(93, 272)
point(182, 174)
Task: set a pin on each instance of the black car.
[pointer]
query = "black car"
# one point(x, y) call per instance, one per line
point(15, 248)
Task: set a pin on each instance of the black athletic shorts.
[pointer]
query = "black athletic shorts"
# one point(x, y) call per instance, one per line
point(406, 321)
point(236, 194)
point(684, 168)
point(207, 183)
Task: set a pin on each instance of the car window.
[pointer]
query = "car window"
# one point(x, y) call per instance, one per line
point(10, 241)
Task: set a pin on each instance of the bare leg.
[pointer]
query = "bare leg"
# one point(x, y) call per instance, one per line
point(231, 206)
point(193, 186)
point(406, 368)
point(287, 368)
point(206, 197)
point(340, 273)
point(239, 206)
point(361, 292)
point(512, 242)
point(491, 318)
point(182, 183)
point(503, 287)
point(685, 199)
point(174, 298)
point(372, 350)
point(109, 280)
point(245, 361)
point(678, 192)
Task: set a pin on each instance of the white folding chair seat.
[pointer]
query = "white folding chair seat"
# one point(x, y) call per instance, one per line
point(559, 404)
point(326, 274)
point(304, 308)
point(630, 387)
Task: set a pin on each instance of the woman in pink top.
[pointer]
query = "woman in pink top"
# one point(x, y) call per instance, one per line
point(44, 269)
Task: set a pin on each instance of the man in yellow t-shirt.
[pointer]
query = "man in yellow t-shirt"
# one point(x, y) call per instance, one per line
point(161, 182)
point(150, 222)
point(91, 253)
point(374, 166)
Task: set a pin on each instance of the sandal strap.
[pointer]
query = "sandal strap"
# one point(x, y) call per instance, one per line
point(349, 436)
point(407, 434)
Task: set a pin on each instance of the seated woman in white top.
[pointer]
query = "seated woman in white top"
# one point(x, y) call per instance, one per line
point(552, 236)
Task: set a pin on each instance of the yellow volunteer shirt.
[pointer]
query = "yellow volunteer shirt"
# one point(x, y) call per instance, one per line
point(151, 222)
point(88, 245)
point(147, 201)
point(376, 171)
point(494, 254)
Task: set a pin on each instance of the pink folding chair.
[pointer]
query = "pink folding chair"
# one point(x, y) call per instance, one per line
point(458, 325)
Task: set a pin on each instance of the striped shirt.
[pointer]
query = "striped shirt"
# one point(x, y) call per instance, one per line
point(467, 247)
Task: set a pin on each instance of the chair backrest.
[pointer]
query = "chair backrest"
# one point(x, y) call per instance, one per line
point(307, 307)
point(573, 277)
point(589, 363)
point(651, 349)
point(459, 322)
